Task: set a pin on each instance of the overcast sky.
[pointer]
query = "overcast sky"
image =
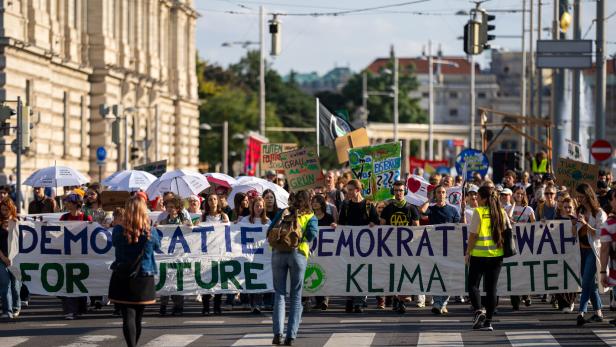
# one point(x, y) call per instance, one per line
point(320, 43)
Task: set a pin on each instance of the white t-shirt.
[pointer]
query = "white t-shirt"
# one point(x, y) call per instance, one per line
point(522, 214)
point(163, 215)
point(246, 219)
point(468, 214)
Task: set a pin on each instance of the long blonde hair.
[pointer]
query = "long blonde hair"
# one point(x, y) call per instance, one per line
point(136, 221)
point(253, 215)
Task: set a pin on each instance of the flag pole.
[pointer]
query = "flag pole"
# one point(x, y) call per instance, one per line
point(317, 127)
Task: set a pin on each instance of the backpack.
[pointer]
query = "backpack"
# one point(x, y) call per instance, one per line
point(345, 209)
point(286, 234)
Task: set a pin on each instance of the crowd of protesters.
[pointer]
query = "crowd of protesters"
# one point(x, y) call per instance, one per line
point(487, 207)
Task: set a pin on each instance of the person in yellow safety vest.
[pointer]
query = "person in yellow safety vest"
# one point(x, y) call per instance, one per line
point(484, 254)
point(540, 164)
point(292, 264)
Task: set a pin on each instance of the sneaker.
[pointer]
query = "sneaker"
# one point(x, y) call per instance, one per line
point(358, 309)
point(567, 310)
point(277, 340)
point(528, 302)
point(289, 341)
point(199, 298)
point(324, 306)
point(612, 322)
point(380, 304)
point(595, 319)
point(580, 321)
point(487, 326)
point(162, 310)
point(7, 315)
point(420, 304)
point(401, 308)
point(25, 303)
point(478, 320)
point(436, 310)
point(256, 310)
point(444, 310)
point(16, 313)
point(69, 316)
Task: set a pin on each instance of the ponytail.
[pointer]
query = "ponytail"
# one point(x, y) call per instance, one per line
point(496, 213)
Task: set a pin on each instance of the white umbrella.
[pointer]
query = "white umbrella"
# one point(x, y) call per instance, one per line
point(182, 183)
point(221, 179)
point(56, 176)
point(249, 183)
point(129, 180)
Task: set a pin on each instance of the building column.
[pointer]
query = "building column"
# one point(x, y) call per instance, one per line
point(406, 152)
point(438, 154)
point(422, 149)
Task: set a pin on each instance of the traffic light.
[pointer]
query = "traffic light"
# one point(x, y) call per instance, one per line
point(24, 127)
point(274, 29)
point(564, 16)
point(135, 153)
point(486, 28)
point(115, 131)
point(6, 113)
point(472, 44)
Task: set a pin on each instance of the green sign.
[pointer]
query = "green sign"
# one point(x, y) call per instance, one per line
point(314, 278)
point(377, 167)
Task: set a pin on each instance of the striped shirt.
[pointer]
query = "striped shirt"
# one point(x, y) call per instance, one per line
point(608, 234)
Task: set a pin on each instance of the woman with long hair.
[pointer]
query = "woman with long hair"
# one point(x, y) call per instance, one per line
point(566, 210)
point(92, 204)
point(9, 285)
point(521, 212)
point(241, 206)
point(257, 217)
point(271, 205)
point(291, 264)
point(484, 254)
point(134, 244)
point(212, 213)
point(590, 218)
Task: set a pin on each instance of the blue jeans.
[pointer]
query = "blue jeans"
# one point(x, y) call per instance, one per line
point(440, 301)
point(283, 264)
point(9, 290)
point(589, 285)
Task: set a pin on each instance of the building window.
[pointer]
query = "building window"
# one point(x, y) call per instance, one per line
point(453, 95)
point(425, 95)
point(453, 112)
point(481, 95)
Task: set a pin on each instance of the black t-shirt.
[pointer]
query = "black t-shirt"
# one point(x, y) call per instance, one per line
point(393, 214)
point(357, 213)
point(442, 214)
point(271, 214)
point(326, 220)
point(4, 241)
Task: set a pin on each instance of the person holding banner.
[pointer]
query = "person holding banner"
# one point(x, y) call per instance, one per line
point(9, 285)
point(132, 282)
point(608, 246)
point(566, 211)
point(271, 206)
point(484, 255)
point(590, 219)
point(299, 217)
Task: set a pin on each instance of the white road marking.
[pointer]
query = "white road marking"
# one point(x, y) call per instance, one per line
point(12, 341)
point(440, 339)
point(255, 340)
point(90, 340)
point(350, 339)
point(531, 338)
point(353, 321)
point(204, 322)
point(607, 336)
point(439, 321)
point(173, 340)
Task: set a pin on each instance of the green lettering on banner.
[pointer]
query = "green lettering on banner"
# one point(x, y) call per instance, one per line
point(75, 279)
point(435, 270)
point(508, 271)
point(370, 289)
point(226, 276)
point(568, 270)
point(162, 276)
point(251, 276)
point(23, 267)
point(531, 265)
point(351, 277)
point(45, 273)
point(180, 276)
point(214, 279)
point(417, 273)
point(546, 275)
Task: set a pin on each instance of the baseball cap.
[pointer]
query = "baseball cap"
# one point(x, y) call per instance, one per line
point(472, 189)
point(506, 191)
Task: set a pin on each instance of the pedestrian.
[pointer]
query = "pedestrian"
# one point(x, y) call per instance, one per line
point(608, 247)
point(520, 212)
point(271, 205)
point(132, 281)
point(92, 204)
point(484, 255)
point(324, 219)
point(41, 203)
point(164, 214)
point(73, 202)
point(590, 219)
point(567, 211)
point(194, 208)
point(290, 260)
point(257, 217)
point(547, 208)
point(9, 284)
point(241, 207)
point(335, 195)
point(356, 211)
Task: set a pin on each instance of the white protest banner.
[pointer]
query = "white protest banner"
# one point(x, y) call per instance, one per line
point(418, 189)
point(73, 259)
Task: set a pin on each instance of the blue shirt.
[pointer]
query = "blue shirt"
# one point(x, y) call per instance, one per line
point(442, 214)
point(128, 253)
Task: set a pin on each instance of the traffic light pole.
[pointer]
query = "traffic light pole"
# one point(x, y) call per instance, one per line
point(18, 156)
point(471, 136)
point(523, 85)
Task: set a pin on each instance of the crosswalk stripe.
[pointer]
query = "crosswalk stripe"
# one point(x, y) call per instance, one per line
point(90, 340)
point(255, 340)
point(352, 321)
point(12, 341)
point(439, 321)
point(173, 340)
point(440, 339)
point(531, 338)
point(607, 336)
point(204, 322)
point(350, 339)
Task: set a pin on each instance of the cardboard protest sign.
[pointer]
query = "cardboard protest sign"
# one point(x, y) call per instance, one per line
point(570, 173)
point(354, 139)
point(302, 168)
point(377, 167)
point(156, 168)
point(110, 199)
point(270, 155)
point(418, 189)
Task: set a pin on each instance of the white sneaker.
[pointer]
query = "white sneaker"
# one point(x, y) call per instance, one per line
point(69, 316)
point(16, 313)
point(199, 298)
point(7, 315)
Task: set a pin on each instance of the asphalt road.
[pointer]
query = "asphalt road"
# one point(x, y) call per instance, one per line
point(41, 324)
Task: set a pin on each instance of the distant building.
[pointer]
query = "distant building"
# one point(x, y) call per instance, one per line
point(66, 58)
point(332, 81)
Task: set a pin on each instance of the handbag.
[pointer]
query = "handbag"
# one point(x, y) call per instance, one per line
point(509, 245)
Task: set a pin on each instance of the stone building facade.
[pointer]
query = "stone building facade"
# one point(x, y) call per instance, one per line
point(67, 57)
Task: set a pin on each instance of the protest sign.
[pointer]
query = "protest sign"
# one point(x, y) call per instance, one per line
point(454, 197)
point(156, 168)
point(476, 161)
point(377, 167)
point(429, 166)
point(354, 139)
point(270, 155)
point(73, 259)
point(570, 173)
point(574, 150)
point(302, 169)
point(418, 189)
point(110, 199)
